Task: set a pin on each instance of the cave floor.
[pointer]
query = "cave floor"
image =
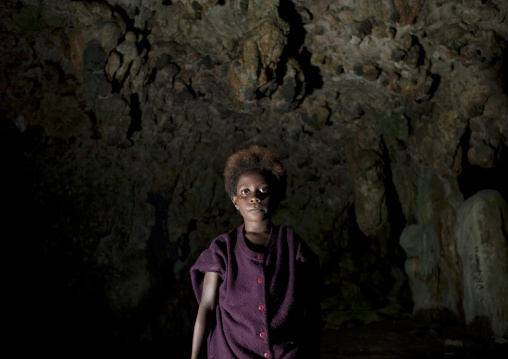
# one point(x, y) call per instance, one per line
point(402, 338)
point(407, 338)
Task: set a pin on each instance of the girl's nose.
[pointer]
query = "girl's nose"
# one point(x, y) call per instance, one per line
point(256, 197)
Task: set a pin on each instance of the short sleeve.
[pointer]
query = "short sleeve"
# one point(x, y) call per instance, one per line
point(212, 259)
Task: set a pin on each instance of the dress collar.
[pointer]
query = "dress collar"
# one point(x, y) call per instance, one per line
point(274, 231)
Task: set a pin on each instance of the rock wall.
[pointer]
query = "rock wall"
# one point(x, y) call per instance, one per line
point(482, 244)
point(118, 115)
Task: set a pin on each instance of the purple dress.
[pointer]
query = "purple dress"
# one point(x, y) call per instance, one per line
point(268, 302)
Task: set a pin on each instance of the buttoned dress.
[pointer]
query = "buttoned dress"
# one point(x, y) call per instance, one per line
point(264, 296)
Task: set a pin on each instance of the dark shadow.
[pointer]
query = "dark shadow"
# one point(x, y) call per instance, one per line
point(396, 217)
point(436, 81)
point(475, 178)
point(293, 48)
point(503, 71)
point(405, 337)
point(135, 114)
point(480, 326)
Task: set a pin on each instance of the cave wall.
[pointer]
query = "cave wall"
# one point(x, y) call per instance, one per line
point(118, 115)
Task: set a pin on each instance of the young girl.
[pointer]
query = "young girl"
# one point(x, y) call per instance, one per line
point(256, 285)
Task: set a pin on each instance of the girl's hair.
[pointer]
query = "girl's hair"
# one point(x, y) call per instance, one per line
point(255, 158)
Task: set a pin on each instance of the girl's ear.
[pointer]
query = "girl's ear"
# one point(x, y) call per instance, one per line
point(235, 202)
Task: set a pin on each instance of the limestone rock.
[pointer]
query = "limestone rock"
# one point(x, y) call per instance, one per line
point(95, 21)
point(481, 154)
point(482, 245)
point(367, 169)
point(431, 286)
point(113, 121)
point(408, 11)
point(432, 263)
point(128, 50)
point(260, 53)
point(292, 90)
point(110, 105)
point(113, 64)
point(197, 7)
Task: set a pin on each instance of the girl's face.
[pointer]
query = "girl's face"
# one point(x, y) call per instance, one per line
point(252, 197)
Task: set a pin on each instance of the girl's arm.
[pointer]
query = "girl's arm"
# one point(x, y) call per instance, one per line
point(206, 314)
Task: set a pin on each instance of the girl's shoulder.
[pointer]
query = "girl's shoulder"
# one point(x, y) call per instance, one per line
point(303, 250)
point(225, 240)
point(215, 257)
point(289, 233)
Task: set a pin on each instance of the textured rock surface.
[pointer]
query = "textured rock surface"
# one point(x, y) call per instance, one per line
point(118, 115)
point(482, 245)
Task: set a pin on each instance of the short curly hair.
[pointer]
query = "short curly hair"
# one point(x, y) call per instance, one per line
point(255, 158)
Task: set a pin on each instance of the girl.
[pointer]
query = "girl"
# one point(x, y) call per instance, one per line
point(256, 285)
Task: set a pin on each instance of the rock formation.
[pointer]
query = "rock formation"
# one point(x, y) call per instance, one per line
point(390, 116)
point(482, 244)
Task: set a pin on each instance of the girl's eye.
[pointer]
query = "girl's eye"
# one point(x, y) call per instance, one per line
point(264, 190)
point(244, 191)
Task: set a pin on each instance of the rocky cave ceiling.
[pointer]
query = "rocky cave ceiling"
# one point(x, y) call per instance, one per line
point(391, 117)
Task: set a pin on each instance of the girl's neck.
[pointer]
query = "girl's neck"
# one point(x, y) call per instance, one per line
point(258, 233)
